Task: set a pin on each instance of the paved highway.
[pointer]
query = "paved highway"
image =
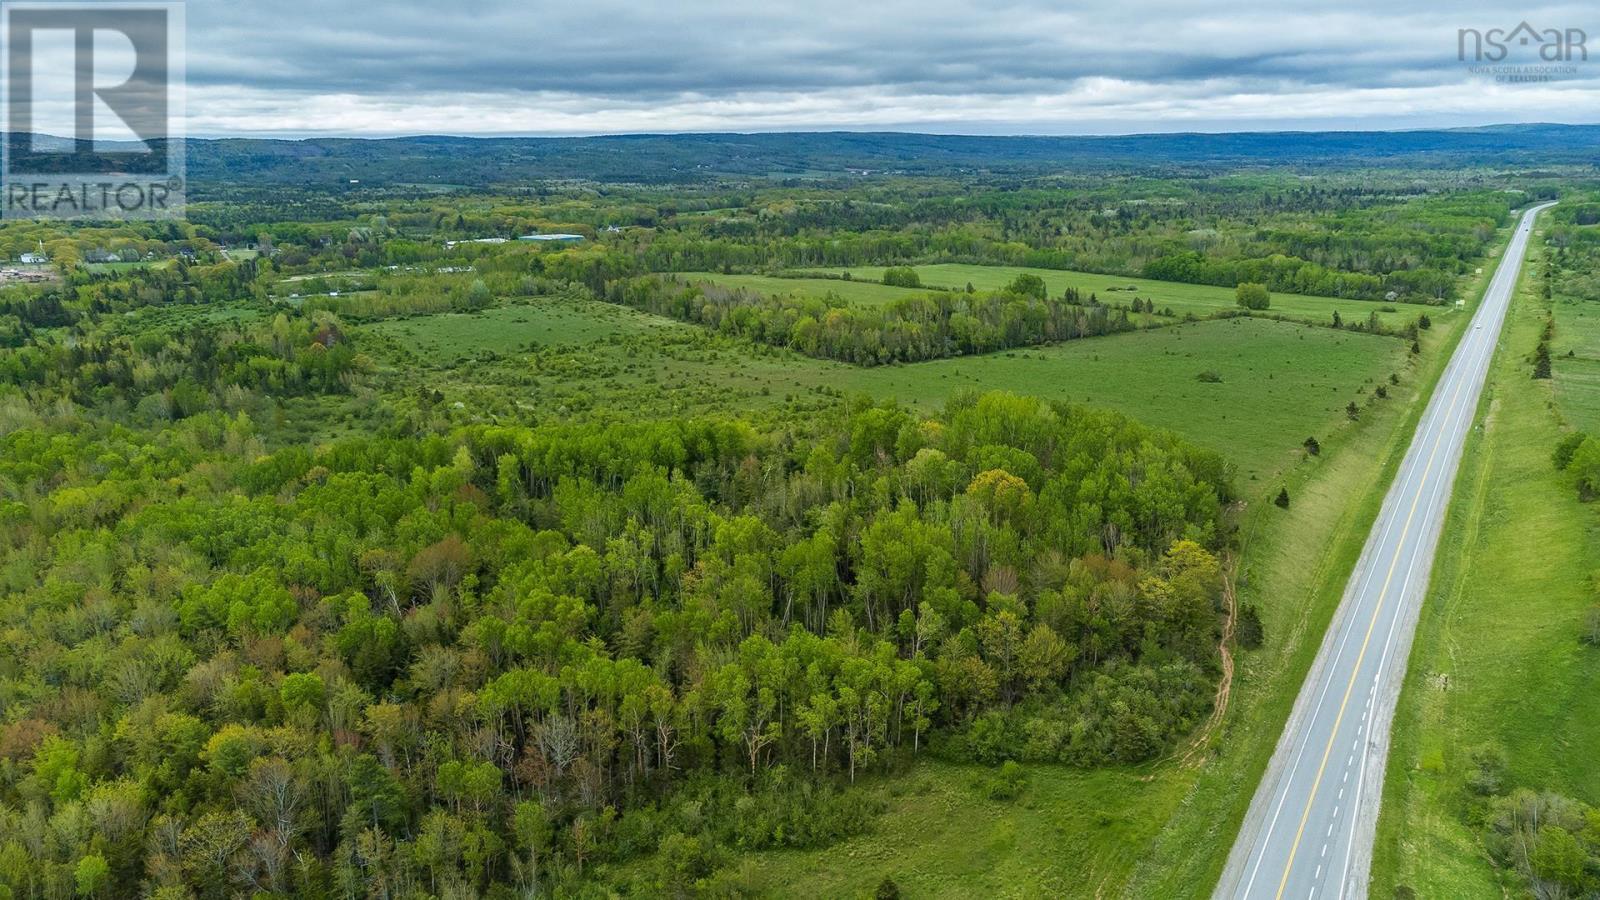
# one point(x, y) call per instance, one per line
point(1310, 826)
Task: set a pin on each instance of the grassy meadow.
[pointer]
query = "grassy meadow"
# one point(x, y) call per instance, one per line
point(447, 338)
point(1071, 833)
point(861, 293)
point(1575, 362)
point(1279, 382)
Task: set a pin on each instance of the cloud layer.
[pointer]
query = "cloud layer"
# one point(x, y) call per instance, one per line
point(577, 67)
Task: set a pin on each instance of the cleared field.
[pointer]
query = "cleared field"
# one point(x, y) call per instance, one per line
point(1577, 386)
point(863, 293)
point(183, 316)
point(1196, 299)
point(1497, 659)
point(312, 276)
point(1279, 382)
point(1577, 377)
point(1069, 832)
point(449, 337)
point(119, 267)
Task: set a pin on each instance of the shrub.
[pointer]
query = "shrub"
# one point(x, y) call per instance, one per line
point(989, 740)
point(683, 863)
point(1486, 773)
point(902, 276)
point(1566, 448)
point(1249, 632)
point(1585, 466)
point(1008, 783)
point(1251, 295)
point(1027, 285)
point(1591, 626)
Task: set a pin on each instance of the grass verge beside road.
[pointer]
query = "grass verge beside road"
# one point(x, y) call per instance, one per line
point(1497, 660)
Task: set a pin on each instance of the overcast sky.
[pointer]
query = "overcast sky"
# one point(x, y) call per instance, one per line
point(386, 67)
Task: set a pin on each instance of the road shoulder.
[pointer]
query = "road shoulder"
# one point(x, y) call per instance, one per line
point(1496, 661)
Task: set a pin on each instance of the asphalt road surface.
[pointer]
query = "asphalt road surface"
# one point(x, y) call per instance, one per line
point(1311, 823)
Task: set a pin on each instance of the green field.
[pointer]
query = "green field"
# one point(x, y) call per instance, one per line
point(1577, 377)
point(177, 316)
point(311, 276)
point(1183, 299)
point(1497, 658)
point(1281, 382)
point(1069, 833)
point(565, 356)
point(862, 293)
point(118, 267)
point(449, 337)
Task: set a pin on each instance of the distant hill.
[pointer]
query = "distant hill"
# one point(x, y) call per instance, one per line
point(694, 157)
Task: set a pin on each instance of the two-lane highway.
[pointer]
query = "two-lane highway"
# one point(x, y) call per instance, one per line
point(1310, 826)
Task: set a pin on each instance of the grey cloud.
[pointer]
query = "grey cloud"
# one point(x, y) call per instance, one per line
point(608, 54)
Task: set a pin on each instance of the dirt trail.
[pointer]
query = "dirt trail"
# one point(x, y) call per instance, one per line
point(1193, 754)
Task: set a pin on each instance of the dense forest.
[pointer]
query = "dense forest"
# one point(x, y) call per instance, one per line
point(496, 655)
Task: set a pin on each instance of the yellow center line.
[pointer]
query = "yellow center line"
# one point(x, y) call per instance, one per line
point(1383, 596)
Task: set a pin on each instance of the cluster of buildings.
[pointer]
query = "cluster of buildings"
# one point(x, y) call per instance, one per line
point(15, 275)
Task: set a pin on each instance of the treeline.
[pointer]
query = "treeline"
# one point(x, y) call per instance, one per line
point(1413, 250)
point(1358, 243)
point(489, 661)
point(1573, 258)
point(1287, 273)
point(1361, 247)
point(170, 374)
point(908, 329)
